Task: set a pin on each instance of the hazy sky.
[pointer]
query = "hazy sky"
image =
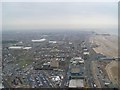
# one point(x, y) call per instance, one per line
point(59, 15)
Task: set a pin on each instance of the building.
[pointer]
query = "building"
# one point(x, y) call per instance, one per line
point(16, 47)
point(76, 72)
point(85, 49)
point(19, 48)
point(27, 48)
point(76, 83)
point(54, 63)
point(54, 42)
point(76, 68)
point(81, 61)
point(40, 40)
point(46, 65)
point(85, 53)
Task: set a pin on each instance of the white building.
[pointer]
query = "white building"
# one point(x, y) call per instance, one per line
point(86, 53)
point(19, 48)
point(27, 48)
point(76, 83)
point(53, 42)
point(40, 40)
point(15, 47)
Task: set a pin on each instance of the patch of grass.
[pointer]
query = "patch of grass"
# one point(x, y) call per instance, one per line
point(23, 61)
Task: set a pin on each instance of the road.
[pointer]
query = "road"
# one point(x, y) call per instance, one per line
point(88, 67)
point(88, 64)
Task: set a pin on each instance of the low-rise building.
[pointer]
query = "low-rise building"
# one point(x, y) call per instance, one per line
point(76, 83)
point(16, 47)
point(40, 40)
point(85, 53)
point(19, 48)
point(27, 48)
point(76, 72)
point(54, 63)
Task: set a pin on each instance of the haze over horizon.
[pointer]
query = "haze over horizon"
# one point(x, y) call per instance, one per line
point(102, 17)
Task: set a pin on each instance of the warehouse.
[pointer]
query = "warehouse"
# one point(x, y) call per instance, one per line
point(16, 47)
point(19, 48)
point(40, 40)
point(76, 83)
point(76, 72)
point(54, 63)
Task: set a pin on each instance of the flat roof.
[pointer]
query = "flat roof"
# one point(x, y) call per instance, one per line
point(74, 83)
point(27, 48)
point(86, 53)
point(52, 41)
point(75, 70)
point(19, 47)
point(77, 57)
point(15, 47)
point(40, 40)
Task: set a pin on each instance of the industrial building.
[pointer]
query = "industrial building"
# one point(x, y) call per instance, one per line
point(76, 72)
point(76, 68)
point(53, 42)
point(54, 63)
point(40, 40)
point(76, 83)
point(27, 48)
point(15, 47)
point(19, 48)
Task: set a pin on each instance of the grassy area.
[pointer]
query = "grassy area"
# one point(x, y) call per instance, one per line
point(23, 61)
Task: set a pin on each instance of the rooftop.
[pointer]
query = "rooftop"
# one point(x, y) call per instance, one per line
point(15, 47)
point(75, 70)
point(86, 53)
point(40, 40)
point(74, 83)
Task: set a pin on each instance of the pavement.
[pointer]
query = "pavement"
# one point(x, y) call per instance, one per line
point(88, 64)
point(95, 73)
